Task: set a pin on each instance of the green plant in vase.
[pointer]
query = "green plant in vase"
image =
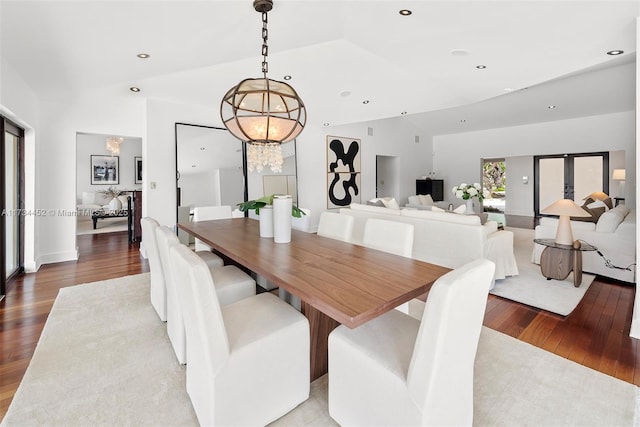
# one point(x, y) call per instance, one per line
point(255, 205)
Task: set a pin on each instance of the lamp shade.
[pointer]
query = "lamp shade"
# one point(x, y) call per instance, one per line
point(619, 174)
point(597, 195)
point(565, 208)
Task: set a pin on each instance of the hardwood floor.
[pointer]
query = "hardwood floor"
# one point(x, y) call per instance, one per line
point(596, 334)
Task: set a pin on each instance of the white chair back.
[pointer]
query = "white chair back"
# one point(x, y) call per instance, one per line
point(302, 223)
point(440, 376)
point(335, 226)
point(184, 217)
point(158, 290)
point(206, 334)
point(175, 285)
point(389, 236)
point(206, 213)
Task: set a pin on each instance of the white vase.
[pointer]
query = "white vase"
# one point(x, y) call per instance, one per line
point(282, 218)
point(115, 204)
point(469, 208)
point(266, 221)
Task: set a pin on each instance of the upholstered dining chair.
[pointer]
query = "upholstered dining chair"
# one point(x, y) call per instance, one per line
point(335, 226)
point(158, 287)
point(248, 362)
point(205, 213)
point(231, 285)
point(389, 236)
point(395, 370)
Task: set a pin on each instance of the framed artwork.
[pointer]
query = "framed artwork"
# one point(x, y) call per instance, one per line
point(105, 170)
point(138, 170)
point(343, 171)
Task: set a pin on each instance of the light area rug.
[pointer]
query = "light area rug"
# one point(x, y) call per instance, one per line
point(104, 359)
point(530, 287)
point(107, 225)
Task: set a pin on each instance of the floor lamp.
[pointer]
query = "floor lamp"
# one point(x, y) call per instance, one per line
point(565, 208)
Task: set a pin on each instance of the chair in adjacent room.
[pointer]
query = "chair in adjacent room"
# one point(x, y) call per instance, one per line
point(335, 226)
point(206, 213)
point(389, 236)
point(248, 362)
point(303, 222)
point(395, 370)
point(231, 284)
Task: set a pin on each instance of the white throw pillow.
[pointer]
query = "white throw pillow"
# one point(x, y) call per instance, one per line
point(414, 200)
point(436, 209)
point(426, 200)
point(88, 198)
point(609, 221)
point(598, 204)
point(391, 203)
point(460, 209)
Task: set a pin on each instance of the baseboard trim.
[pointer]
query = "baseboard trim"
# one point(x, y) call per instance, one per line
point(57, 257)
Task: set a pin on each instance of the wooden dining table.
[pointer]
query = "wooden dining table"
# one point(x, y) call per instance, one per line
point(337, 282)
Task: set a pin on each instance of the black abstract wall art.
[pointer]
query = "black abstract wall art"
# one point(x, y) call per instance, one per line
point(343, 171)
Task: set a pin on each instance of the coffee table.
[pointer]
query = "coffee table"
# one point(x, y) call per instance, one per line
point(121, 213)
point(557, 260)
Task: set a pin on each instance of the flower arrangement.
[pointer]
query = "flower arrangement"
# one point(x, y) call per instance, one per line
point(112, 192)
point(264, 201)
point(467, 191)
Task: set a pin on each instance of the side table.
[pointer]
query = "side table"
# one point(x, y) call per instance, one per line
point(557, 261)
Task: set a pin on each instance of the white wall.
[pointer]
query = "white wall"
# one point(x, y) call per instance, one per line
point(457, 156)
point(519, 195)
point(92, 144)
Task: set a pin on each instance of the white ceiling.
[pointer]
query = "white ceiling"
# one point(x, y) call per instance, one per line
point(199, 49)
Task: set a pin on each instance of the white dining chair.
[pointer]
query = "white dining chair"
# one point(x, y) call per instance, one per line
point(303, 222)
point(389, 236)
point(395, 370)
point(158, 287)
point(231, 285)
point(335, 226)
point(206, 213)
point(247, 362)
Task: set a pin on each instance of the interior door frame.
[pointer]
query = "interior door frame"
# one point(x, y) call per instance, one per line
point(7, 126)
point(568, 174)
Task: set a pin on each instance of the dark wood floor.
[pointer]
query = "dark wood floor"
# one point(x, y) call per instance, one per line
point(596, 334)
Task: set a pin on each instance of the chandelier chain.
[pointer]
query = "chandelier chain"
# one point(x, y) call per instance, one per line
point(265, 47)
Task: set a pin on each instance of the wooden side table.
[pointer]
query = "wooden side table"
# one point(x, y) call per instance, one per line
point(557, 261)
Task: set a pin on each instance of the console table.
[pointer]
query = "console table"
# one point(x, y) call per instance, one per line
point(557, 261)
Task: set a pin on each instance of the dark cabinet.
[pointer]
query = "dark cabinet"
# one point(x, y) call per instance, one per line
point(435, 187)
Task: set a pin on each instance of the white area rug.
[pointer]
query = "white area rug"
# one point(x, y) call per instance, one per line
point(532, 288)
point(104, 359)
point(107, 225)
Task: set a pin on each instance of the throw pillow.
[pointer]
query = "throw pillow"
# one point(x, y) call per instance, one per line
point(436, 209)
point(460, 209)
point(391, 204)
point(597, 204)
point(375, 202)
point(608, 202)
point(426, 200)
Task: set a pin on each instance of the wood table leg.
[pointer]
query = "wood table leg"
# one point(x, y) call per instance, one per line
point(321, 326)
point(577, 268)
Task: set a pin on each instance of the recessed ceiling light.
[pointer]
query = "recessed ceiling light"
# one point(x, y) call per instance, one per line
point(551, 107)
point(405, 12)
point(366, 101)
point(508, 89)
point(463, 120)
point(287, 77)
point(134, 89)
point(615, 52)
point(202, 148)
point(345, 93)
point(193, 166)
point(326, 124)
point(143, 55)
point(404, 113)
point(459, 52)
point(481, 67)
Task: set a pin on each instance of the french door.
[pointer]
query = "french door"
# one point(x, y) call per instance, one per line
point(11, 202)
point(569, 176)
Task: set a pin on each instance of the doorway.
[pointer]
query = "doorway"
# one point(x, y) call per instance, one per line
point(387, 184)
point(11, 203)
point(569, 176)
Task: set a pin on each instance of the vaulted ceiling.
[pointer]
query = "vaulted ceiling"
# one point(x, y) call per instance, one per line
point(340, 54)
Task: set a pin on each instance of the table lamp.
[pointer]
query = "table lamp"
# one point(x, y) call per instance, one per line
point(619, 175)
point(565, 208)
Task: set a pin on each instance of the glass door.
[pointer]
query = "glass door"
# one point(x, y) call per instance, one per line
point(569, 176)
point(11, 219)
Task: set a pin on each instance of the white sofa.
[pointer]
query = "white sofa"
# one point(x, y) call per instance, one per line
point(444, 238)
point(614, 235)
point(94, 200)
point(421, 202)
